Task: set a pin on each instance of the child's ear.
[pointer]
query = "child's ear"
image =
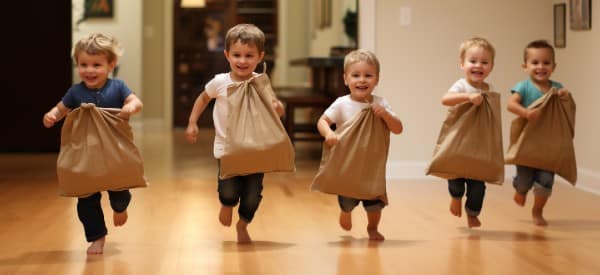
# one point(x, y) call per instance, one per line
point(112, 65)
point(524, 65)
point(262, 55)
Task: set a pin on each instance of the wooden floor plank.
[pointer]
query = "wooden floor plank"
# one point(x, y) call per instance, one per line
point(173, 226)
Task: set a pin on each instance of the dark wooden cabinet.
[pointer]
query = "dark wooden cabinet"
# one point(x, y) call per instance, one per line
point(263, 14)
point(199, 35)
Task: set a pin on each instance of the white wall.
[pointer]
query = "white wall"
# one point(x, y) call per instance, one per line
point(293, 44)
point(578, 65)
point(323, 39)
point(420, 62)
point(126, 26)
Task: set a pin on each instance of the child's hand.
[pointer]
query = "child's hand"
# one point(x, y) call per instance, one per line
point(533, 114)
point(49, 120)
point(476, 98)
point(126, 111)
point(379, 110)
point(331, 139)
point(562, 92)
point(278, 106)
point(191, 133)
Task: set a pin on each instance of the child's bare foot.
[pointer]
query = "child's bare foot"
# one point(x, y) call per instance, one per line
point(519, 199)
point(346, 220)
point(97, 246)
point(473, 221)
point(374, 235)
point(456, 206)
point(242, 232)
point(120, 218)
point(538, 218)
point(225, 215)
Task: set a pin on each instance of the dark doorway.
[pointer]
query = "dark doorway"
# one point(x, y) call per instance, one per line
point(37, 41)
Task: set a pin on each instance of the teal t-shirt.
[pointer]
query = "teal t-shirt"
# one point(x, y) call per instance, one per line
point(529, 92)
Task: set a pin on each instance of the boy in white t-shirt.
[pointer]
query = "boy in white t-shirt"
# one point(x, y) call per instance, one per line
point(476, 61)
point(361, 75)
point(244, 50)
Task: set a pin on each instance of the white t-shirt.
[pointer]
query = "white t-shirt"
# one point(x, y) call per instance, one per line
point(344, 108)
point(217, 88)
point(463, 86)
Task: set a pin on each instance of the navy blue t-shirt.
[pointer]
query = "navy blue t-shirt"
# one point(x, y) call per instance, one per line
point(111, 95)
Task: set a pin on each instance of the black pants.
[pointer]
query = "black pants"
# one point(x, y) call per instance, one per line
point(475, 193)
point(90, 213)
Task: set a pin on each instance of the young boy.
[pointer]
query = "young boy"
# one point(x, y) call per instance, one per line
point(244, 49)
point(361, 75)
point(476, 61)
point(96, 56)
point(539, 64)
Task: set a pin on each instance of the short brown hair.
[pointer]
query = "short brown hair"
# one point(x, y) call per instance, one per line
point(246, 34)
point(98, 43)
point(476, 42)
point(538, 44)
point(361, 55)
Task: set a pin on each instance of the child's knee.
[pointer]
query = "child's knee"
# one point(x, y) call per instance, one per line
point(119, 200)
point(543, 190)
point(347, 204)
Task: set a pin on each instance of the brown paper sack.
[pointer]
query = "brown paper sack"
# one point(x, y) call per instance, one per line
point(470, 142)
point(97, 153)
point(256, 140)
point(546, 143)
point(355, 166)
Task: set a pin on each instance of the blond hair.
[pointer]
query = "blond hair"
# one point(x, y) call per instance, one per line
point(361, 55)
point(246, 34)
point(476, 42)
point(98, 43)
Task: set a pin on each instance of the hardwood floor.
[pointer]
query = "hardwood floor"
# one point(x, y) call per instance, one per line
point(173, 226)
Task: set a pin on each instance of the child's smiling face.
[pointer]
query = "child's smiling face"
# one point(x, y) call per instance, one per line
point(539, 64)
point(477, 65)
point(361, 78)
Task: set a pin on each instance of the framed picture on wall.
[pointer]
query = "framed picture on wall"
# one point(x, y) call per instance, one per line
point(98, 9)
point(580, 14)
point(560, 32)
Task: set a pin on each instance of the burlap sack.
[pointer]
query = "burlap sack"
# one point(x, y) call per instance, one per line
point(355, 166)
point(256, 140)
point(97, 153)
point(470, 142)
point(546, 143)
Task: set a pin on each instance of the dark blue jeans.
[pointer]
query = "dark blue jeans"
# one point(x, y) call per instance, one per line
point(348, 204)
point(243, 189)
point(475, 193)
point(90, 213)
point(540, 180)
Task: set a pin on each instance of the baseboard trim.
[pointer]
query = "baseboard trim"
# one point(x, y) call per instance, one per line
point(587, 180)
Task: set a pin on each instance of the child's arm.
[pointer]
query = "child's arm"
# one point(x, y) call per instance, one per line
point(191, 133)
point(131, 106)
point(453, 98)
point(55, 114)
point(391, 121)
point(515, 107)
point(324, 126)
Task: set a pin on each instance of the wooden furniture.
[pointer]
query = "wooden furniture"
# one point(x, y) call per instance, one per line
point(327, 84)
point(296, 98)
